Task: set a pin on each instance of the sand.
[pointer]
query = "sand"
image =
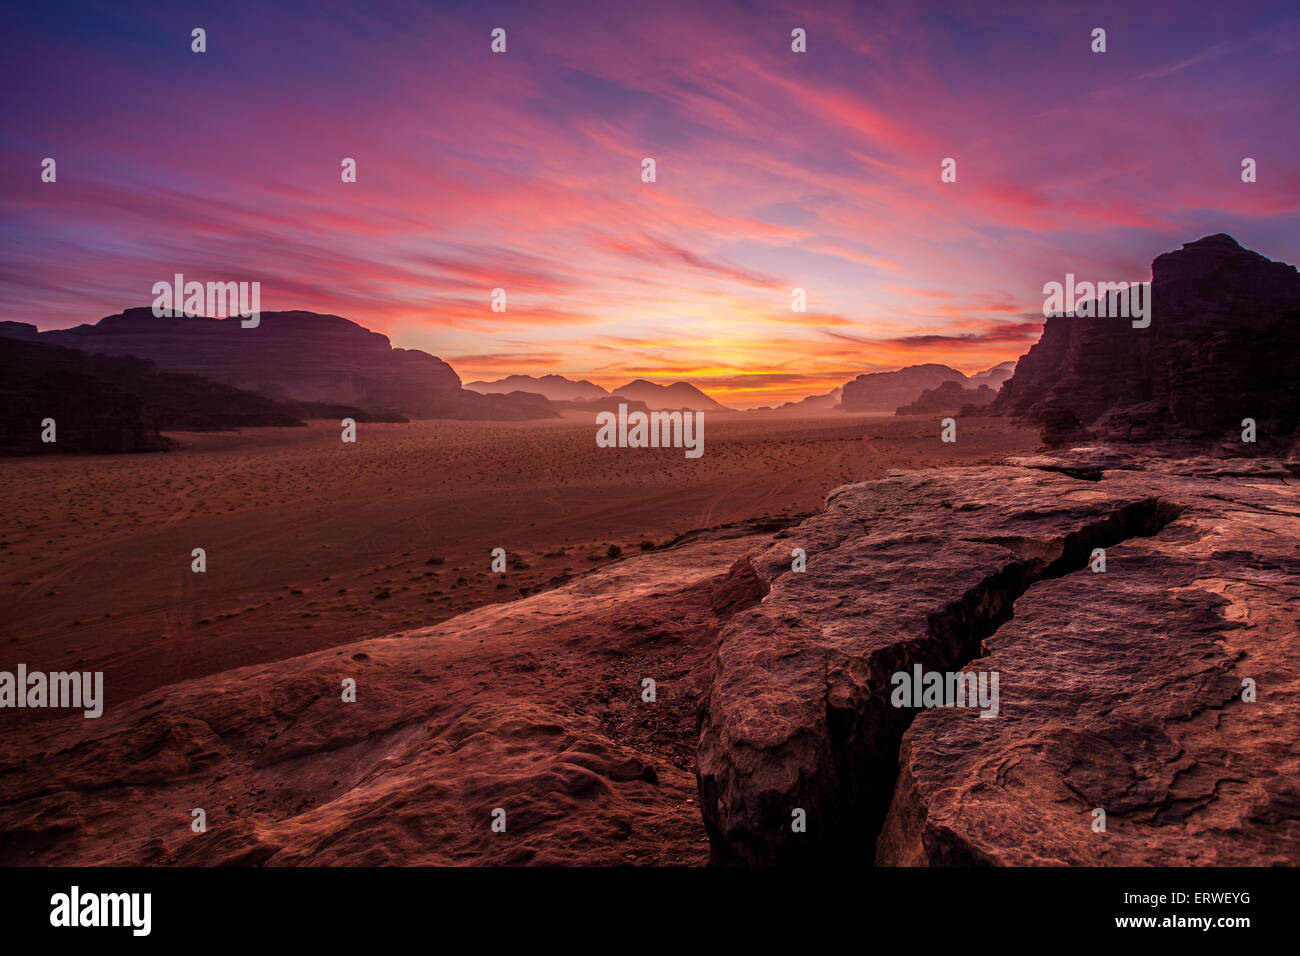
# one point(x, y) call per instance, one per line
point(313, 543)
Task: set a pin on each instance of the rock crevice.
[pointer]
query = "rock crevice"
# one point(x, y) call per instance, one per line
point(798, 714)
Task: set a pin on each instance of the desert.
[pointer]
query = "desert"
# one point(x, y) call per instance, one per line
point(312, 542)
point(731, 465)
point(680, 660)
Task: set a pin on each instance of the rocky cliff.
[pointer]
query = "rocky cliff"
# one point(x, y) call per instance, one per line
point(886, 391)
point(91, 399)
point(108, 404)
point(298, 356)
point(1222, 346)
point(949, 397)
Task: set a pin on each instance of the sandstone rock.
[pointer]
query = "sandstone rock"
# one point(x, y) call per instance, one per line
point(928, 569)
point(1122, 692)
point(533, 706)
point(90, 398)
point(299, 357)
point(679, 395)
point(19, 330)
point(949, 397)
point(886, 391)
point(110, 404)
point(1223, 341)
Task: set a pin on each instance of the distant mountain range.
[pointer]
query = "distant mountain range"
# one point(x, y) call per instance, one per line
point(1222, 347)
point(114, 384)
point(557, 388)
point(674, 396)
point(888, 391)
point(871, 392)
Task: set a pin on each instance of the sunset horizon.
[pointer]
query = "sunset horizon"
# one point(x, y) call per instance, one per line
point(774, 171)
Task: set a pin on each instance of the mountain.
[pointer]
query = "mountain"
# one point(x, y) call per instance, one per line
point(299, 356)
point(84, 396)
point(886, 391)
point(106, 404)
point(993, 377)
point(949, 397)
point(674, 396)
point(557, 388)
point(1222, 346)
point(19, 330)
point(813, 403)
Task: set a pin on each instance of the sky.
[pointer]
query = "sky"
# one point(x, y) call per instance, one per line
point(522, 170)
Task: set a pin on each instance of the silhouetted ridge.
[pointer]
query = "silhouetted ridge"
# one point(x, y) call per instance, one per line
point(299, 357)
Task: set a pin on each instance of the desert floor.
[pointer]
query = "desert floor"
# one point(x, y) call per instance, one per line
point(312, 543)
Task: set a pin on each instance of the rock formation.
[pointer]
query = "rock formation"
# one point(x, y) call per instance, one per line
point(19, 330)
point(1119, 690)
point(108, 404)
point(1222, 346)
point(949, 397)
point(886, 391)
point(992, 377)
point(556, 388)
point(299, 356)
point(534, 706)
point(92, 401)
point(813, 404)
point(679, 395)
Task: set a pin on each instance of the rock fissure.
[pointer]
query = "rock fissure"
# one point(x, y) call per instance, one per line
point(994, 606)
point(828, 742)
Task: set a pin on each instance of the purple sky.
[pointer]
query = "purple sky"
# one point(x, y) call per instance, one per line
point(522, 171)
